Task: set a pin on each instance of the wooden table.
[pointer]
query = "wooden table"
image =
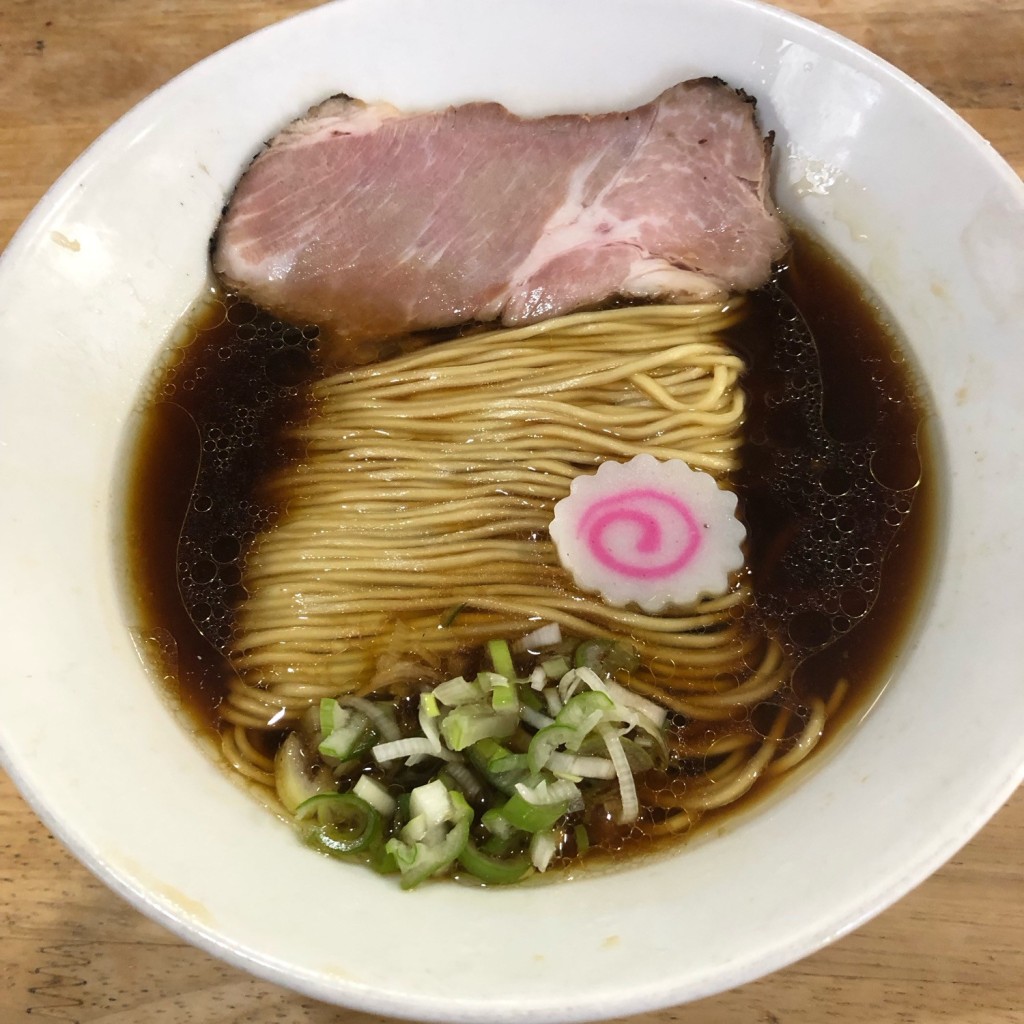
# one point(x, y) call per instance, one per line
point(951, 951)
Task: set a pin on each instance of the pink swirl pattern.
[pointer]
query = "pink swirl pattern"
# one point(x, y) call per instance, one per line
point(659, 517)
point(649, 532)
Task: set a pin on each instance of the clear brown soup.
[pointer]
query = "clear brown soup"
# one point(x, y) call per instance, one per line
point(838, 487)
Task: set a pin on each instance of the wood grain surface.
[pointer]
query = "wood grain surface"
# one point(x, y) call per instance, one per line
point(952, 951)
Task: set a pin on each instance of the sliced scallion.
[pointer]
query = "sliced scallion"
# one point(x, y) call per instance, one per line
point(580, 767)
point(543, 847)
point(493, 870)
point(411, 746)
point(347, 824)
point(381, 716)
point(501, 658)
point(547, 635)
point(418, 861)
point(530, 817)
point(375, 795)
point(457, 691)
point(469, 723)
point(627, 787)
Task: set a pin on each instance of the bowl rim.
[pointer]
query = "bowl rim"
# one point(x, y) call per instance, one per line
point(311, 983)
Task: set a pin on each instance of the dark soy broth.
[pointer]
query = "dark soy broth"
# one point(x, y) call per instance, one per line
point(837, 487)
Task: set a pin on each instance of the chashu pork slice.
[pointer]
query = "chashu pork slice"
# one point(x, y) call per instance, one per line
point(373, 223)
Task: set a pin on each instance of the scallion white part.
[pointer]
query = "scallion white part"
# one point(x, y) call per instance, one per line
point(544, 636)
point(627, 787)
point(543, 847)
point(504, 697)
point(618, 693)
point(415, 830)
point(432, 802)
point(555, 668)
point(497, 824)
point(535, 718)
point(375, 795)
point(553, 701)
point(330, 719)
point(469, 723)
point(411, 746)
point(544, 793)
point(465, 779)
point(457, 691)
point(349, 734)
point(428, 720)
point(538, 678)
point(383, 724)
point(591, 679)
point(580, 766)
point(487, 681)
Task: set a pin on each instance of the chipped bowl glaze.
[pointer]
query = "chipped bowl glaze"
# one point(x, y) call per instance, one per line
point(92, 287)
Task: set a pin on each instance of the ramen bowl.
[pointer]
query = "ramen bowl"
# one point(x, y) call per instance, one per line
point(91, 289)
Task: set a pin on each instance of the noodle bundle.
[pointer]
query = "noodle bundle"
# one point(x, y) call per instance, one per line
point(414, 528)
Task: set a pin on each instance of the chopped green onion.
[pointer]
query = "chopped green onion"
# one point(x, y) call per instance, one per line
point(330, 717)
point(486, 681)
point(470, 723)
point(606, 657)
point(493, 870)
point(621, 695)
point(580, 767)
point(504, 698)
point(571, 682)
point(638, 756)
point(457, 691)
point(555, 668)
point(530, 817)
point(585, 710)
point(416, 829)
point(582, 839)
point(543, 847)
point(486, 750)
point(597, 732)
point(547, 635)
point(429, 713)
point(351, 734)
point(462, 778)
point(553, 701)
point(375, 795)
point(501, 658)
point(347, 824)
point(421, 859)
point(578, 717)
point(380, 860)
point(381, 716)
point(508, 763)
point(542, 792)
point(486, 753)
point(536, 719)
point(545, 742)
point(413, 746)
point(627, 787)
point(432, 802)
point(497, 824)
point(309, 808)
point(528, 698)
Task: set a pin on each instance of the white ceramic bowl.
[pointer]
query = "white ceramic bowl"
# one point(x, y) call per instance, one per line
point(94, 283)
